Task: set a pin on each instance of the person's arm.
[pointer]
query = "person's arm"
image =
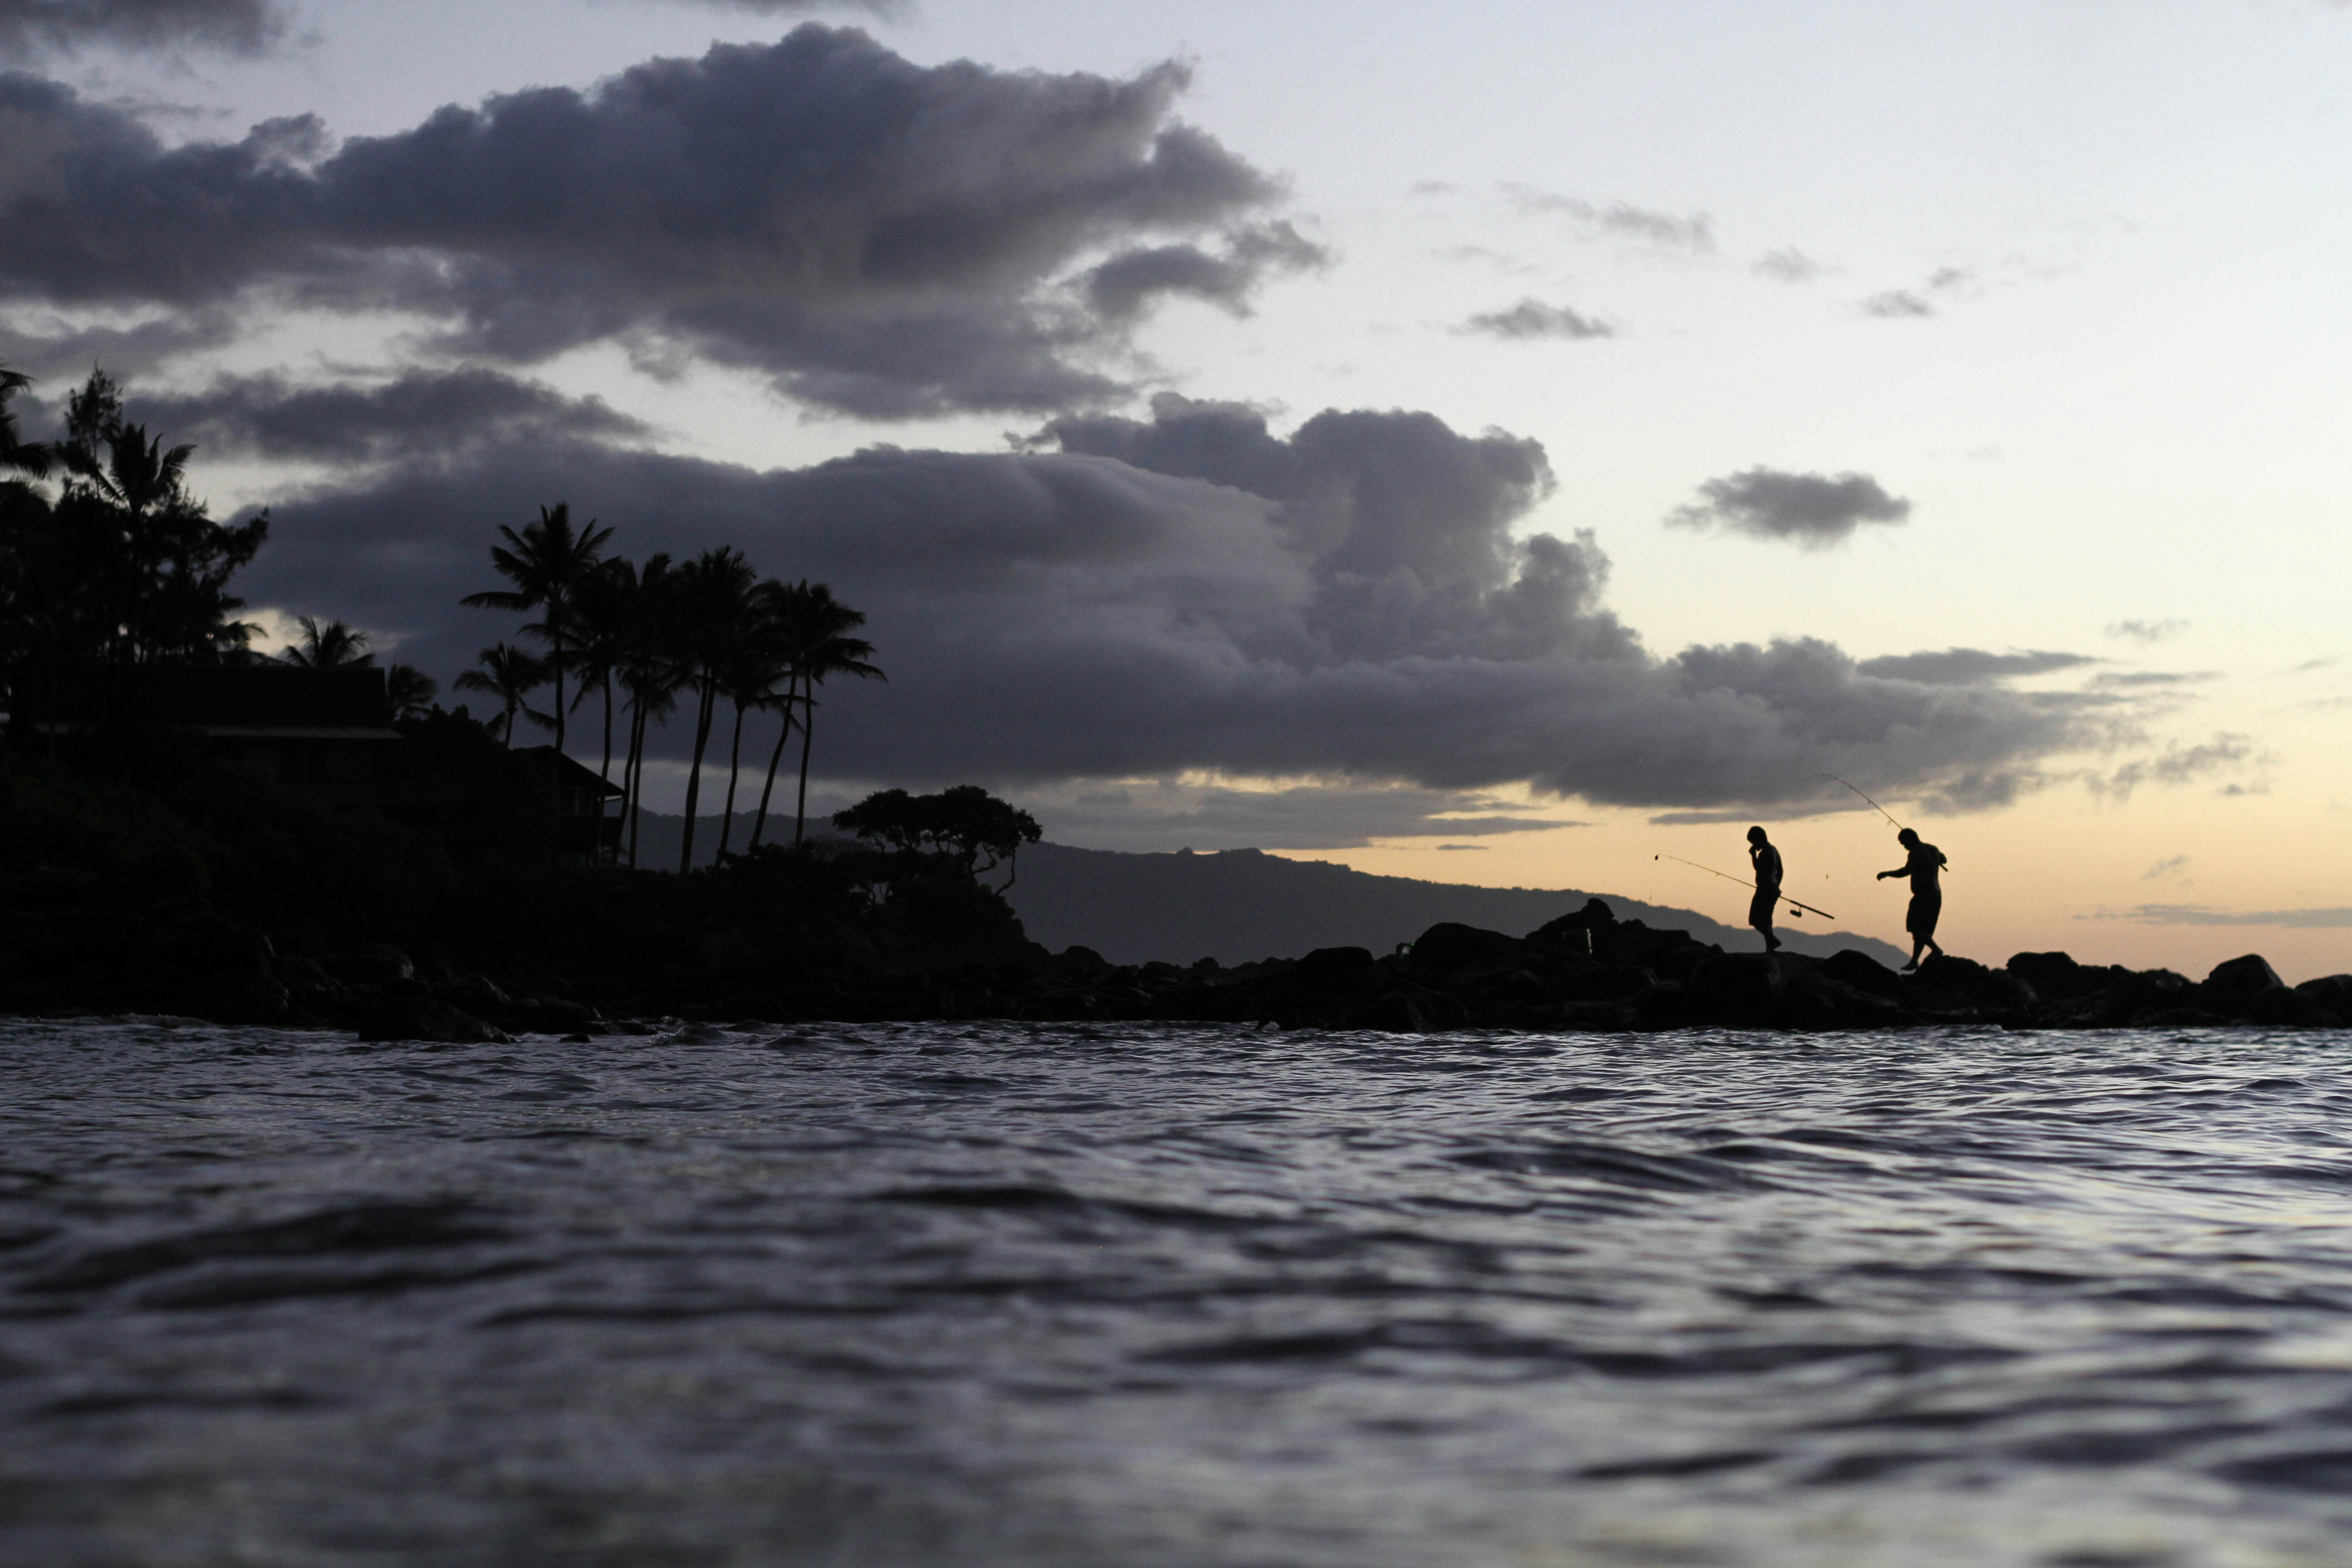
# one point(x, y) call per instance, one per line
point(1902, 871)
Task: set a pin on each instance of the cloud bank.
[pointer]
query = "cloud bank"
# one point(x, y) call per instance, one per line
point(1531, 320)
point(878, 238)
point(1192, 593)
point(234, 27)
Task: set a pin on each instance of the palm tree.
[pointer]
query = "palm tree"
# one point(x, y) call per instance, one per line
point(824, 648)
point(411, 689)
point(602, 610)
point(759, 678)
point(547, 563)
point(648, 668)
point(30, 459)
point(332, 646)
point(713, 611)
point(510, 675)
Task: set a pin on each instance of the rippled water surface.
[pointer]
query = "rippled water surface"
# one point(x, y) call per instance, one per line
point(1064, 1295)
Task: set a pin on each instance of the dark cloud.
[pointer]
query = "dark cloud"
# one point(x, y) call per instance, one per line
point(421, 414)
point(1693, 235)
point(1128, 284)
point(2171, 866)
point(1531, 319)
point(1970, 666)
point(1896, 304)
point(1788, 264)
point(2147, 631)
point(874, 236)
point(68, 351)
point(1162, 816)
point(1813, 511)
point(235, 26)
point(1193, 592)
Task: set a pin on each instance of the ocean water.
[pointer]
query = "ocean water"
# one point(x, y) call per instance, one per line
point(1139, 1296)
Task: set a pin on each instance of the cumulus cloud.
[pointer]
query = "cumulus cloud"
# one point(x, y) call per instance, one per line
point(1812, 511)
point(1532, 318)
point(1969, 666)
point(1692, 234)
point(1193, 593)
point(234, 26)
point(877, 236)
point(2147, 631)
point(420, 414)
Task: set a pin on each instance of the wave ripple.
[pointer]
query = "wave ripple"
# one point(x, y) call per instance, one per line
point(1083, 1295)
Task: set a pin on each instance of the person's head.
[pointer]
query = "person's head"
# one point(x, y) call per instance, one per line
point(1908, 839)
point(1755, 835)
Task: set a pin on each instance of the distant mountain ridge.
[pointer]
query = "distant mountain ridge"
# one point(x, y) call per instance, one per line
point(1240, 905)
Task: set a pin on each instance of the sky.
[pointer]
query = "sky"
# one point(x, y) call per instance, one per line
point(1505, 445)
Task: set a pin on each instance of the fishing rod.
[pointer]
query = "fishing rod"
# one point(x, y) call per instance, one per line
point(1743, 882)
point(1874, 805)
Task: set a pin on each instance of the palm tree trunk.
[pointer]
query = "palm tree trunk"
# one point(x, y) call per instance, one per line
point(636, 771)
point(734, 762)
point(605, 772)
point(808, 727)
point(775, 759)
point(510, 719)
point(702, 718)
point(556, 641)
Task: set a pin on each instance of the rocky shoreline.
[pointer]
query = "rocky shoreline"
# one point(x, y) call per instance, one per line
point(1585, 971)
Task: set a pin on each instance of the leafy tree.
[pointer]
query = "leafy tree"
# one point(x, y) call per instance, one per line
point(333, 646)
point(510, 674)
point(960, 824)
point(547, 563)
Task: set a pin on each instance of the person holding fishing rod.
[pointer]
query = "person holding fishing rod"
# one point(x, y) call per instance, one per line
point(1925, 867)
point(1760, 908)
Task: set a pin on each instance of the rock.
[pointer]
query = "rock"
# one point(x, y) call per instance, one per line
point(1851, 966)
point(1449, 945)
point(379, 963)
point(414, 1018)
point(2333, 992)
point(1741, 989)
point(2054, 974)
point(1401, 1008)
point(2284, 1008)
point(1081, 961)
point(477, 994)
point(2243, 979)
point(1578, 930)
point(1332, 966)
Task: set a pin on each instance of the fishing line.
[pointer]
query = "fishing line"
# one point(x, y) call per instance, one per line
point(1874, 805)
point(1743, 882)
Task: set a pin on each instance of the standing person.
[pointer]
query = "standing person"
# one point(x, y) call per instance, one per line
point(1767, 861)
point(1925, 867)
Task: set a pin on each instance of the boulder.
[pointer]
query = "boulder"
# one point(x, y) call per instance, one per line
point(1740, 989)
point(1400, 1008)
point(2333, 992)
point(1578, 930)
point(2243, 979)
point(1851, 966)
point(2053, 976)
point(1328, 966)
point(1448, 945)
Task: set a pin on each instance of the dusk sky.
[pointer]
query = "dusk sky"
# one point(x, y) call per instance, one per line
point(1498, 444)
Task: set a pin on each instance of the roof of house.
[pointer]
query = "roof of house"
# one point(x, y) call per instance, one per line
point(277, 700)
point(572, 773)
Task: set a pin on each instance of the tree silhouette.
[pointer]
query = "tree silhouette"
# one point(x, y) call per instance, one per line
point(714, 614)
point(333, 646)
point(547, 563)
point(960, 824)
point(411, 690)
point(510, 675)
point(819, 648)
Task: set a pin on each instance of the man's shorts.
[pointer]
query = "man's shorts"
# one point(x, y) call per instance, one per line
point(1926, 909)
